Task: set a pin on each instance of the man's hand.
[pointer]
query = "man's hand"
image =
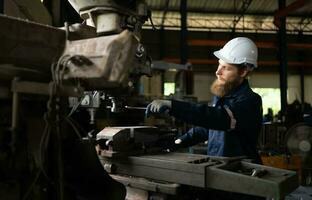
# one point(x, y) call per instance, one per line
point(158, 106)
point(193, 136)
point(178, 141)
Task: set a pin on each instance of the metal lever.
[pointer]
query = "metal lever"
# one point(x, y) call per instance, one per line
point(135, 107)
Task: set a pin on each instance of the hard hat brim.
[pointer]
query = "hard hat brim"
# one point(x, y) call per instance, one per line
point(219, 55)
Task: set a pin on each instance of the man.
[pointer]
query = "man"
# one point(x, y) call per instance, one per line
point(233, 122)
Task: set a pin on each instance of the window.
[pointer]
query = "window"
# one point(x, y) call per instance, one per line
point(169, 88)
point(270, 99)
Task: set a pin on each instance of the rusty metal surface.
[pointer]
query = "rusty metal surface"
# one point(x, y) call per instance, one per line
point(28, 50)
point(208, 172)
point(174, 168)
point(149, 185)
point(110, 57)
point(238, 177)
point(119, 155)
point(29, 45)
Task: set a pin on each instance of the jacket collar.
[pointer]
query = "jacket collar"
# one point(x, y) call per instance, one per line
point(240, 89)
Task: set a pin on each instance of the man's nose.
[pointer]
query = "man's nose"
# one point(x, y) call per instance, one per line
point(219, 71)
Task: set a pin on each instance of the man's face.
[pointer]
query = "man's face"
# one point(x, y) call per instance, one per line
point(227, 72)
point(228, 78)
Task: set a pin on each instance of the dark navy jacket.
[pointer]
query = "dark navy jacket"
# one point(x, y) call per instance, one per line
point(231, 125)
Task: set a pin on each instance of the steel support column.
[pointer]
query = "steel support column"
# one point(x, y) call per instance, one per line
point(188, 75)
point(162, 50)
point(282, 40)
point(162, 38)
point(183, 33)
point(1, 6)
point(162, 42)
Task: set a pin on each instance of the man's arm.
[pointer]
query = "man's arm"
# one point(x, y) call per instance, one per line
point(193, 136)
point(201, 115)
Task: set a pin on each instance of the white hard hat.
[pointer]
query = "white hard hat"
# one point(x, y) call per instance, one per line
point(238, 51)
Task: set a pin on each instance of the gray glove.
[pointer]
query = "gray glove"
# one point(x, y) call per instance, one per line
point(158, 106)
point(178, 141)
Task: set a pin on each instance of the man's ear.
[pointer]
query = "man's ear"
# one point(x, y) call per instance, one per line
point(244, 72)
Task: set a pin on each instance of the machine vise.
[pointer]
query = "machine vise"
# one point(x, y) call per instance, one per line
point(234, 174)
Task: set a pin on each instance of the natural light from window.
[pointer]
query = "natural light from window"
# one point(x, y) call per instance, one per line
point(169, 88)
point(270, 99)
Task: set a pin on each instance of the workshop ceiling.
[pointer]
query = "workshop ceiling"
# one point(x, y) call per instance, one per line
point(229, 15)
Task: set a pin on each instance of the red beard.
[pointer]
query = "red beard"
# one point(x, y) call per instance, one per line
point(223, 89)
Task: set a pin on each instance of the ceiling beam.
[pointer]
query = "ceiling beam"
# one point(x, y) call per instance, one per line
point(260, 44)
point(286, 10)
point(200, 61)
point(241, 12)
point(227, 12)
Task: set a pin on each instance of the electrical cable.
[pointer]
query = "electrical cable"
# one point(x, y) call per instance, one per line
point(57, 72)
point(74, 108)
point(45, 137)
point(75, 128)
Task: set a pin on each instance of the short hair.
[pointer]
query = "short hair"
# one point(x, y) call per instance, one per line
point(248, 66)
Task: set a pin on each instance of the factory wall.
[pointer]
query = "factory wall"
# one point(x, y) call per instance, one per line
point(294, 93)
point(151, 87)
point(202, 82)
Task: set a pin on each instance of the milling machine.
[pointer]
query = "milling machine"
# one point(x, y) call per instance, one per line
point(44, 153)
